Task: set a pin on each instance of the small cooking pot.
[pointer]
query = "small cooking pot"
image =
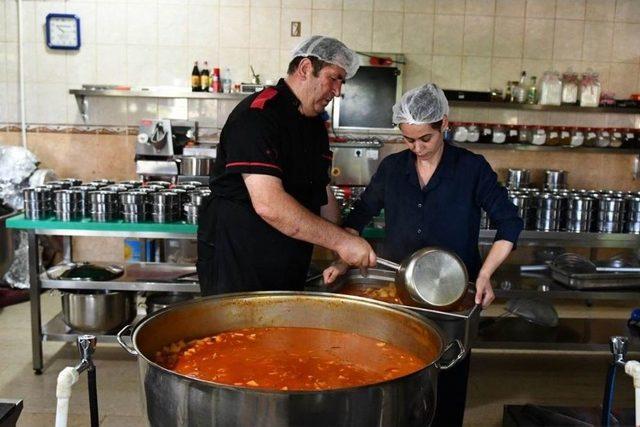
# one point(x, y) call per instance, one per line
point(97, 311)
point(159, 300)
point(431, 276)
point(195, 165)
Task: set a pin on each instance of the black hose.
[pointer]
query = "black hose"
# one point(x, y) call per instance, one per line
point(607, 400)
point(93, 396)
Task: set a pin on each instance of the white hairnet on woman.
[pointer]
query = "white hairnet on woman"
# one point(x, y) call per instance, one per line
point(422, 105)
point(329, 50)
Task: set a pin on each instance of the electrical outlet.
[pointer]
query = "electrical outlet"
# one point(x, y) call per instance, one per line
point(295, 28)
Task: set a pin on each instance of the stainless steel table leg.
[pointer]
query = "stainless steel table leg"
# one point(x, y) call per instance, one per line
point(36, 318)
point(67, 248)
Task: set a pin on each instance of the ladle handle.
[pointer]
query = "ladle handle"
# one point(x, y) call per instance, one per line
point(388, 263)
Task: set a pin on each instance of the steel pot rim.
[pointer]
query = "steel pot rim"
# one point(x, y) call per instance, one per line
point(137, 327)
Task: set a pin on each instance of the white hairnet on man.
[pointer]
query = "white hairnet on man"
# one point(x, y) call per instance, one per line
point(422, 105)
point(329, 50)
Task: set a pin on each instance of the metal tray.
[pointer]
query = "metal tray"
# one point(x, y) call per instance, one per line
point(595, 281)
point(460, 323)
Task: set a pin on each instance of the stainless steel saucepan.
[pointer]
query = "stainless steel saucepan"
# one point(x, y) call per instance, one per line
point(431, 276)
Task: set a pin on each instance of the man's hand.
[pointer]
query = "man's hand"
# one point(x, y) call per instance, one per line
point(336, 269)
point(484, 291)
point(356, 251)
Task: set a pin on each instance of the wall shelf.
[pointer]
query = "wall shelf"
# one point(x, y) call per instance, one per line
point(564, 149)
point(537, 107)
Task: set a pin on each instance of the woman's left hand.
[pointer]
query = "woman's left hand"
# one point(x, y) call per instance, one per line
point(484, 291)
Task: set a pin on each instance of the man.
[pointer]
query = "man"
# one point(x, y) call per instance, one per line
point(270, 201)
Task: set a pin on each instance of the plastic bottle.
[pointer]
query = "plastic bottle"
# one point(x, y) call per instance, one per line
point(226, 81)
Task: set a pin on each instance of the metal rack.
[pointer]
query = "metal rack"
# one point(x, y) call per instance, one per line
point(56, 330)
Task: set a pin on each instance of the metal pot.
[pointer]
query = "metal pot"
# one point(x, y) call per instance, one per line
point(97, 311)
point(159, 300)
point(171, 399)
point(195, 165)
point(6, 240)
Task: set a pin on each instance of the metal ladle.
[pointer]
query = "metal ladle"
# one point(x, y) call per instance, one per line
point(431, 276)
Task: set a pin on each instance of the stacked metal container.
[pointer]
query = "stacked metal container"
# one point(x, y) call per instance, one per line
point(525, 203)
point(579, 213)
point(38, 202)
point(548, 212)
point(84, 205)
point(632, 224)
point(67, 205)
point(196, 198)
point(166, 206)
point(610, 213)
point(135, 205)
point(104, 205)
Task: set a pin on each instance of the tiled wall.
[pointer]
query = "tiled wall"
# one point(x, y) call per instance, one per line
point(472, 44)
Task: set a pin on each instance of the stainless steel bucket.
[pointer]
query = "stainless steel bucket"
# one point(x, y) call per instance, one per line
point(195, 165)
point(172, 399)
point(97, 311)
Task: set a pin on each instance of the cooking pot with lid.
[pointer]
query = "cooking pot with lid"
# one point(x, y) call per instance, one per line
point(172, 399)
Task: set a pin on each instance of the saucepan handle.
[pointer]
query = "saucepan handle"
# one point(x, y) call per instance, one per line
point(388, 263)
point(462, 351)
point(121, 340)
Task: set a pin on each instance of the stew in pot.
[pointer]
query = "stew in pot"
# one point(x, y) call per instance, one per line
point(387, 293)
point(290, 358)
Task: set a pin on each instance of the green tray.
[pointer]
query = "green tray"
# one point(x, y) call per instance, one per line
point(20, 222)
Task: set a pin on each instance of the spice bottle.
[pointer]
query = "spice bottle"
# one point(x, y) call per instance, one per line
point(460, 133)
point(524, 135)
point(553, 137)
point(512, 134)
point(616, 138)
point(539, 136)
point(195, 78)
point(473, 133)
point(499, 135)
point(486, 133)
point(569, 88)
point(590, 137)
point(577, 137)
point(565, 137)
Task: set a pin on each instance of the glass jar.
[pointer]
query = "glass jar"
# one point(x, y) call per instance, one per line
point(539, 136)
point(629, 138)
point(553, 137)
point(577, 137)
point(499, 134)
point(486, 133)
point(512, 134)
point(616, 138)
point(569, 88)
point(460, 133)
point(565, 136)
point(524, 135)
point(590, 137)
point(550, 88)
point(604, 138)
point(473, 133)
point(590, 90)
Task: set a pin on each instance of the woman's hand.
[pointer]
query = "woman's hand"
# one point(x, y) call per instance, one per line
point(484, 291)
point(336, 269)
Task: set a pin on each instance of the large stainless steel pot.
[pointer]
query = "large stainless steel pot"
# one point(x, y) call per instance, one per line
point(97, 311)
point(172, 399)
point(6, 240)
point(195, 165)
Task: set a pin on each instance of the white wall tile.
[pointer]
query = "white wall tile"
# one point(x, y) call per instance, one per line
point(287, 16)
point(363, 5)
point(420, 6)
point(538, 38)
point(535, 67)
point(141, 108)
point(174, 25)
point(111, 23)
point(327, 23)
point(4, 113)
point(388, 34)
point(504, 70)
point(570, 9)
point(3, 20)
point(236, 3)
point(265, 28)
point(204, 111)
point(142, 65)
point(446, 71)
point(626, 42)
point(204, 25)
point(624, 79)
point(237, 60)
point(11, 61)
point(296, 4)
point(628, 11)
point(509, 37)
point(541, 8)
point(266, 3)
point(112, 64)
point(87, 14)
point(201, 54)
point(388, 5)
point(174, 68)
point(511, 7)
point(417, 71)
point(142, 24)
point(568, 39)
point(476, 73)
point(327, 4)
point(600, 10)
point(50, 105)
point(418, 33)
point(357, 29)
point(478, 35)
point(448, 33)
point(598, 41)
point(450, 7)
point(3, 62)
point(481, 7)
point(13, 104)
point(81, 66)
point(234, 22)
point(28, 21)
point(173, 109)
point(30, 62)
point(264, 64)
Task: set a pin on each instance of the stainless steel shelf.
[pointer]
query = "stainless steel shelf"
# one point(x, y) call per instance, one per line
point(119, 285)
point(563, 149)
point(57, 330)
point(537, 107)
point(107, 233)
point(564, 238)
point(155, 94)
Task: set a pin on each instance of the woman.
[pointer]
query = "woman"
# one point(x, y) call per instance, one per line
point(432, 194)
